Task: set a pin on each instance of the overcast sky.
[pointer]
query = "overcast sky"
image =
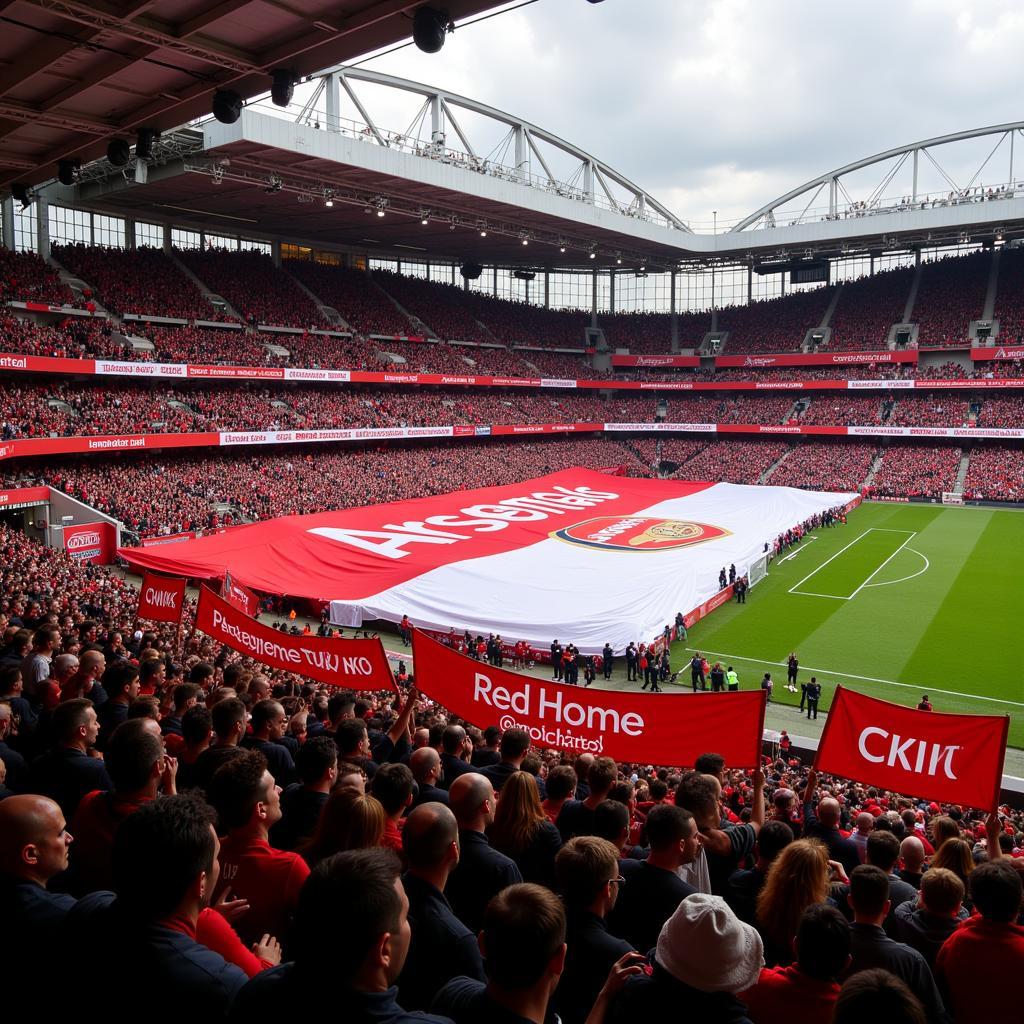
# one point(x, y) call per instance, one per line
point(725, 105)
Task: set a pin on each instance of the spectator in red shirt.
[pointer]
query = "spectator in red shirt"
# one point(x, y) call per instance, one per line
point(392, 786)
point(822, 950)
point(248, 803)
point(986, 953)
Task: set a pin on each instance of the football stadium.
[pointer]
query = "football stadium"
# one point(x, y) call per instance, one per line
point(512, 509)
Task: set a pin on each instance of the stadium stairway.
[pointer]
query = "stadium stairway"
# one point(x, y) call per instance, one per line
point(961, 473)
point(329, 313)
point(993, 285)
point(418, 325)
point(211, 297)
point(78, 286)
point(763, 478)
point(876, 465)
point(908, 309)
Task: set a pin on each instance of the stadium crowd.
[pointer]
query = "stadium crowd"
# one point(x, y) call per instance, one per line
point(995, 474)
point(950, 295)
point(247, 840)
point(916, 471)
point(824, 467)
point(774, 325)
point(141, 280)
point(867, 308)
point(26, 277)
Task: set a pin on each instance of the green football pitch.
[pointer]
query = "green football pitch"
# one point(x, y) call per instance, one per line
point(903, 600)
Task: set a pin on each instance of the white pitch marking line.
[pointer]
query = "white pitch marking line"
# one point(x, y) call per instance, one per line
point(883, 565)
point(889, 583)
point(866, 679)
point(803, 545)
point(829, 559)
point(810, 593)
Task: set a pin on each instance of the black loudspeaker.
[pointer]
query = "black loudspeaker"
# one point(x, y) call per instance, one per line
point(119, 152)
point(429, 25)
point(471, 271)
point(283, 87)
point(67, 171)
point(227, 106)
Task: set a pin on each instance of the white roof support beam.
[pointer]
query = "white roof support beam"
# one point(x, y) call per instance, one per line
point(362, 110)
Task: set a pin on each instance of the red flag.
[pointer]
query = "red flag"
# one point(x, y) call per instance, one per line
point(161, 599)
point(239, 595)
point(640, 727)
point(358, 664)
point(957, 759)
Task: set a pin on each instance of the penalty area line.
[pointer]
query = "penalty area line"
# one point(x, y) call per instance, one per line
point(867, 679)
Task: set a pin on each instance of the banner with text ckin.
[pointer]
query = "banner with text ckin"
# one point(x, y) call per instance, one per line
point(956, 759)
point(354, 664)
point(659, 729)
point(161, 598)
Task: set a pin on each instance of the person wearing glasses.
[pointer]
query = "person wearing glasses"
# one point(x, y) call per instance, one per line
point(587, 874)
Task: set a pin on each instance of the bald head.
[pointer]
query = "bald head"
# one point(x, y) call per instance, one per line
point(426, 765)
point(92, 663)
point(430, 837)
point(829, 812)
point(865, 822)
point(33, 839)
point(471, 798)
point(912, 854)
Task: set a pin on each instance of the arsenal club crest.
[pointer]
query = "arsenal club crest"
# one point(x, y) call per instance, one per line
point(638, 533)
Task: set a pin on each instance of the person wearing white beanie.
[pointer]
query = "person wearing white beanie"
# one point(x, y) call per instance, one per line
point(704, 957)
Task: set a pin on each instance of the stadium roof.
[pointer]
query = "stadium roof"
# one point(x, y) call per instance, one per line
point(75, 73)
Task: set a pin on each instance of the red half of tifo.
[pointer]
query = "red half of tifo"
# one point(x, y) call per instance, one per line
point(576, 555)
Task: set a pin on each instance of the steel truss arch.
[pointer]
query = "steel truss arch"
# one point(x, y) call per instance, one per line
point(765, 216)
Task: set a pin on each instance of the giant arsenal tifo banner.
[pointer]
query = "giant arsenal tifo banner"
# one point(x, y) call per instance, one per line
point(956, 759)
point(650, 728)
point(358, 664)
point(576, 555)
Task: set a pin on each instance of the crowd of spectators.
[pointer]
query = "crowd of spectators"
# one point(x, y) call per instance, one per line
point(356, 297)
point(240, 835)
point(652, 332)
point(442, 307)
point(824, 467)
point(1000, 412)
point(950, 295)
point(736, 462)
point(843, 410)
point(774, 325)
point(249, 281)
point(916, 471)
point(939, 410)
point(74, 338)
point(142, 280)
point(204, 345)
point(27, 277)
point(867, 308)
point(995, 474)
point(1009, 307)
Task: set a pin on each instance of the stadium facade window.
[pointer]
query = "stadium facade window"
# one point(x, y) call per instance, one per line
point(108, 231)
point(391, 266)
point(414, 268)
point(570, 289)
point(25, 231)
point(183, 239)
point(441, 272)
point(329, 259)
point(638, 294)
point(254, 245)
point(892, 260)
point(296, 252)
point(68, 226)
point(151, 235)
point(220, 242)
point(930, 255)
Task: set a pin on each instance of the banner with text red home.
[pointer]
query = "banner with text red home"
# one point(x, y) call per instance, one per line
point(355, 664)
point(660, 729)
point(161, 598)
point(955, 759)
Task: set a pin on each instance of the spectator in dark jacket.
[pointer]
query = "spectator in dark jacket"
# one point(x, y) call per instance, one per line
point(926, 923)
point(587, 872)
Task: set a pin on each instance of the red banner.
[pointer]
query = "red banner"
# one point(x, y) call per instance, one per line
point(161, 598)
point(239, 595)
point(661, 729)
point(18, 496)
point(957, 759)
point(818, 358)
point(997, 352)
point(656, 360)
point(357, 664)
point(93, 543)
